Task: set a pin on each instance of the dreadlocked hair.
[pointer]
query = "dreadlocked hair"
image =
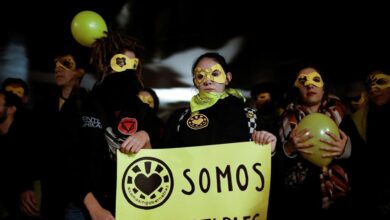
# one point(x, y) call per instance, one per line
point(104, 48)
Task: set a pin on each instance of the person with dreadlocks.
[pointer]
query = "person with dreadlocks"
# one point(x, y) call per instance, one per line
point(116, 120)
point(312, 192)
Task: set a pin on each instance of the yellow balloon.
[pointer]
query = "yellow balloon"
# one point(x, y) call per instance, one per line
point(87, 26)
point(317, 124)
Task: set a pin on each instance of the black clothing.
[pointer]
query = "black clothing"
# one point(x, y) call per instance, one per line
point(303, 197)
point(15, 147)
point(372, 166)
point(227, 123)
point(60, 157)
point(111, 102)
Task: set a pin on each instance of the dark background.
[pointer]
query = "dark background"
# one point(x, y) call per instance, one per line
point(345, 41)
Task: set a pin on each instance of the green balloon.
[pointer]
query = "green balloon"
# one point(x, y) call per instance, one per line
point(87, 26)
point(317, 124)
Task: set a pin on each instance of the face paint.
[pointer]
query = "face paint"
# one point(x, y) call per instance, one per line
point(66, 62)
point(214, 73)
point(147, 99)
point(19, 91)
point(312, 78)
point(121, 62)
point(379, 81)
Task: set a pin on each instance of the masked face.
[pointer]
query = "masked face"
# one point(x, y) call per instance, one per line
point(378, 81)
point(66, 72)
point(214, 73)
point(16, 89)
point(66, 62)
point(379, 87)
point(121, 62)
point(146, 98)
point(313, 78)
point(310, 86)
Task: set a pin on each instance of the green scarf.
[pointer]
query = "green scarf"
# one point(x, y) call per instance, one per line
point(204, 100)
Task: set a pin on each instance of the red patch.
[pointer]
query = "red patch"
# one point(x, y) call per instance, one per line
point(127, 126)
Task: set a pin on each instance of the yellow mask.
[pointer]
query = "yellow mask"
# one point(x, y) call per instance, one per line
point(312, 78)
point(66, 62)
point(380, 81)
point(147, 99)
point(214, 73)
point(121, 62)
point(19, 91)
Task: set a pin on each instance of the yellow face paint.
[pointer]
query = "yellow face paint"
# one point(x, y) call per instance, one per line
point(19, 91)
point(147, 99)
point(379, 81)
point(121, 62)
point(312, 78)
point(214, 73)
point(66, 62)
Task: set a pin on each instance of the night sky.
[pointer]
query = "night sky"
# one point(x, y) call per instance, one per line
point(344, 40)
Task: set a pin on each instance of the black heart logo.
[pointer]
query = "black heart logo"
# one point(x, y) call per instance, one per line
point(147, 184)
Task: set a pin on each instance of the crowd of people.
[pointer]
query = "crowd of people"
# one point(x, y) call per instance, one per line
point(86, 128)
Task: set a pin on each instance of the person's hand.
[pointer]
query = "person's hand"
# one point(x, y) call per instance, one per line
point(336, 145)
point(296, 142)
point(96, 211)
point(28, 203)
point(101, 214)
point(264, 137)
point(135, 142)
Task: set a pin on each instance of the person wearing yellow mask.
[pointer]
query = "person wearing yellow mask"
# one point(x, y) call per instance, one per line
point(117, 120)
point(149, 97)
point(58, 116)
point(216, 114)
point(17, 86)
point(373, 188)
point(324, 193)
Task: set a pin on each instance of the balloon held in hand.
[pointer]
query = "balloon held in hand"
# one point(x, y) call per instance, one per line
point(318, 124)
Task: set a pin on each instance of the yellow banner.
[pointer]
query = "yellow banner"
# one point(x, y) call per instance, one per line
point(215, 182)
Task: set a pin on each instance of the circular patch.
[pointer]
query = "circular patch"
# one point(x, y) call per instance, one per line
point(250, 115)
point(127, 126)
point(197, 121)
point(147, 183)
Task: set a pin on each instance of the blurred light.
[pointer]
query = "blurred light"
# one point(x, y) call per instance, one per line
point(173, 95)
point(13, 60)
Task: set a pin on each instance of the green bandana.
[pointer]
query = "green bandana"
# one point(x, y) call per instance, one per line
point(204, 100)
